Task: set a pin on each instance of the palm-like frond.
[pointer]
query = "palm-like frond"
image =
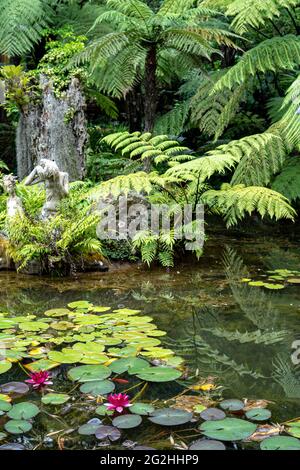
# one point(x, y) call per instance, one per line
point(288, 181)
point(235, 202)
point(255, 13)
point(270, 55)
point(22, 24)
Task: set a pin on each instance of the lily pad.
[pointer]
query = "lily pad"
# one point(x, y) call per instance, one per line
point(89, 373)
point(84, 304)
point(5, 366)
point(5, 406)
point(127, 421)
point(89, 428)
point(142, 409)
point(17, 426)
point(258, 414)
point(97, 387)
point(280, 443)
point(57, 312)
point(23, 411)
point(228, 429)
point(55, 398)
point(232, 405)
point(12, 446)
point(159, 374)
point(207, 444)
point(212, 414)
point(34, 326)
point(66, 356)
point(103, 411)
point(130, 364)
point(170, 417)
point(110, 432)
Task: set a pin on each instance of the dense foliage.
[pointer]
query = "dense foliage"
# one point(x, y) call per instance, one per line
point(188, 101)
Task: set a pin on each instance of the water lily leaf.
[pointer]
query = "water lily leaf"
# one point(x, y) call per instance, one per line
point(17, 426)
point(110, 432)
point(294, 280)
point(89, 428)
point(55, 398)
point(89, 373)
point(258, 414)
point(99, 309)
point(127, 311)
point(2, 436)
point(212, 414)
point(41, 364)
point(206, 444)
point(89, 347)
point(14, 389)
point(170, 417)
point(5, 406)
point(57, 312)
point(61, 325)
point(232, 405)
point(127, 421)
point(256, 283)
point(273, 286)
point(84, 304)
point(293, 428)
point(228, 429)
point(6, 323)
point(66, 356)
point(5, 366)
point(103, 411)
point(159, 374)
point(6, 398)
point(280, 443)
point(97, 387)
point(23, 411)
point(33, 326)
point(142, 408)
point(89, 320)
point(130, 364)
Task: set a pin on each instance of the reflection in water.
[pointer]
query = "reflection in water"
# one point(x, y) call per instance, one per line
point(222, 326)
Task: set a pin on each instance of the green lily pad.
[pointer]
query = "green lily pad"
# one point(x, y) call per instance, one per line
point(212, 414)
point(294, 429)
point(34, 326)
point(127, 421)
point(23, 411)
point(232, 405)
point(280, 443)
point(5, 366)
point(170, 417)
point(130, 364)
point(228, 429)
point(207, 444)
point(256, 283)
point(2, 436)
point(66, 356)
point(89, 373)
point(97, 387)
point(57, 312)
point(17, 426)
point(103, 411)
point(55, 398)
point(89, 428)
point(5, 406)
point(159, 374)
point(258, 414)
point(142, 408)
point(61, 325)
point(84, 304)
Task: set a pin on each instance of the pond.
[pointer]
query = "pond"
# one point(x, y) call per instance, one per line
point(233, 316)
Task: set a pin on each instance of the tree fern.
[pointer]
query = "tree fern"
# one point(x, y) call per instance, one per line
point(255, 13)
point(288, 181)
point(270, 55)
point(235, 202)
point(22, 24)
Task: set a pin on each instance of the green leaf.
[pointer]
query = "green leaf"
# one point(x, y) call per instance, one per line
point(232, 404)
point(159, 374)
point(142, 408)
point(170, 417)
point(5, 406)
point(89, 373)
point(55, 398)
point(280, 443)
point(98, 387)
point(130, 364)
point(17, 426)
point(23, 411)
point(5, 366)
point(206, 444)
point(127, 421)
point(66, 356)
point(228, 429)
point(258, 414)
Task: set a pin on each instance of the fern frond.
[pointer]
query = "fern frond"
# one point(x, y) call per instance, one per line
point(22, 24)
point(139, 182)
point(270, 55)
point(255, 13)
point(238, 201)
point(288, 181)
point(132, 8)
point(189, 41)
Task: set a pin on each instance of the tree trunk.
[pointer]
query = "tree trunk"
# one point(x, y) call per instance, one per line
point(55, 128)
point(151, 95)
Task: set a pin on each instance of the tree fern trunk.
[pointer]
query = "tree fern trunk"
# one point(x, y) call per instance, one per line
point(151, 95)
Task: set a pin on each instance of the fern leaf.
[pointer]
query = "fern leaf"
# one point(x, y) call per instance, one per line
point(288, 181)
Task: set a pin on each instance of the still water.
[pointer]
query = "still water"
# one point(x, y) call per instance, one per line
point(223, 327)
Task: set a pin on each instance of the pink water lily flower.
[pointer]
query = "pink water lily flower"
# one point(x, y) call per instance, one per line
point(118, 402)
point(39, 379)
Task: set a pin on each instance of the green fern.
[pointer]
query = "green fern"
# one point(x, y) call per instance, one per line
point(288, 181)
point(255, 13)
point(238, 201)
